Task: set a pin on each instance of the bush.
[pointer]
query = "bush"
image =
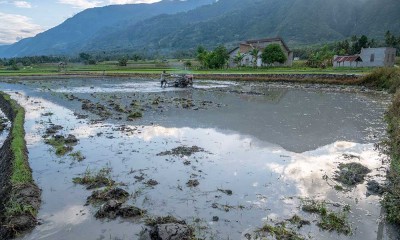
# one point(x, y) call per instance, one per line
point(123, 62)
point(383, 78)
point(391, 200)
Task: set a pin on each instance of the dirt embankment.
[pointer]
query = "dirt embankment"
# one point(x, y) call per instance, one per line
point(19, 195)
point(348, 79)
point(295, 77)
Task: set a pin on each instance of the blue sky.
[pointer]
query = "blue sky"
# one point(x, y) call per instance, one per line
point(26, 18)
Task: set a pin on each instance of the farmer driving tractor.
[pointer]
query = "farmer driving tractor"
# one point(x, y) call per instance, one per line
point(181, 81)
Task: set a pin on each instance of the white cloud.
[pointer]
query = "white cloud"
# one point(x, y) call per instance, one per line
point(14, 27)
point(83, 4)
point(131, 1)
point(22, 4)
point(19, 4)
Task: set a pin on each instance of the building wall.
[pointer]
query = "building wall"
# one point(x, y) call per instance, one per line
point(378, 57)
point(248, 59)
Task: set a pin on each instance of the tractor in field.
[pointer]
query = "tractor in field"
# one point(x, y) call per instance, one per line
point(176, 80)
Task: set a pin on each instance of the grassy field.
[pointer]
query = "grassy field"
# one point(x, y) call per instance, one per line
point(172, 66)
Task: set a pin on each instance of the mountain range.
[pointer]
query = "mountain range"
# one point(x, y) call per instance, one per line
point(175, 25)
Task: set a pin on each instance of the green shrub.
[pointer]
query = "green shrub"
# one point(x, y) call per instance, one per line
point(383, 78)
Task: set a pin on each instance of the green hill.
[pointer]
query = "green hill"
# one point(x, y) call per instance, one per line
point(223, 22)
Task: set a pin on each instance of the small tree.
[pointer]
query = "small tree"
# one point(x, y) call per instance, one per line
point(202, 56)
point(238, 59)
point(273, 53)
point(188, 64)
point(254, 53)
point(123, 62)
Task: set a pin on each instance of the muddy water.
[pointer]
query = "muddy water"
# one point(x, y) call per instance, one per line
point(271, 145)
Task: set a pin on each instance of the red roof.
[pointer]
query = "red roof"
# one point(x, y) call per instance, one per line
point(347, 59)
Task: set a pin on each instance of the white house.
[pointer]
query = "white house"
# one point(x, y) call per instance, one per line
point(369, 57)
point(246, 47)
point(378, 57)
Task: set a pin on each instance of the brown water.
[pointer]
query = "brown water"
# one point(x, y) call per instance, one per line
point(270, 144)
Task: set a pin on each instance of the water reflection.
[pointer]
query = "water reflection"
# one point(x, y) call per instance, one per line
point(243, 153)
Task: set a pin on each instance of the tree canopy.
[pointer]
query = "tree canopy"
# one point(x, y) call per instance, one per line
point(273, 53)
point(214, 59)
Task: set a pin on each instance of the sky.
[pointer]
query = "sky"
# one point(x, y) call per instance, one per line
point(21, 19)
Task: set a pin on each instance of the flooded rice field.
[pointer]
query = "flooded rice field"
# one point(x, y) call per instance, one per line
point(234, 160)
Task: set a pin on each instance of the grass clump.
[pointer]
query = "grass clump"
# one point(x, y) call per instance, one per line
point(77, 156)
point(335, 221)
point(297, 221)
point(351, 173)
point(134, 115)
point(59, 145)
point(330, 220)
point(95, 179)
point(280, 232)
point(15, 208)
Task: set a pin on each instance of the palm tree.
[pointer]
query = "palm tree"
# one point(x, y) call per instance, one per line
point(254, 53)
point(238, 59)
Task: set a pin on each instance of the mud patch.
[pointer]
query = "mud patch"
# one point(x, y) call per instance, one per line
point(182, 151)
point(113, 209)
point(351, 174)
point(166, 228)
point(107, 194)
point(61, 144)
point(3, 123)
point(374, 188)
point(95, 180)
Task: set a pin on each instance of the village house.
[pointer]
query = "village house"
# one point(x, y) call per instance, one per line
point(246, 47)
point(369, 57)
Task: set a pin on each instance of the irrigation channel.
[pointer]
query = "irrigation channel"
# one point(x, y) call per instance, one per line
point(232, 159)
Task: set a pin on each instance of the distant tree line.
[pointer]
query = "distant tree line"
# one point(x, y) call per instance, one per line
point(27, 61)
point(321, 56)
point(392, 41)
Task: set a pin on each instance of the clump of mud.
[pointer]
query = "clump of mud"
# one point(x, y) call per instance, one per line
point(108, 194)
point(329, 220)
point(351, 174)
point(95, 108)
point(374, 188)
point(166, 228)
point(53, 129)
point(3, 123)
point(95, 180)
point(62, 144)
point(182, 151)
point(193, 183)
point(113, 208)
point(226, 191)
point(151, 183)
point(24, 202)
